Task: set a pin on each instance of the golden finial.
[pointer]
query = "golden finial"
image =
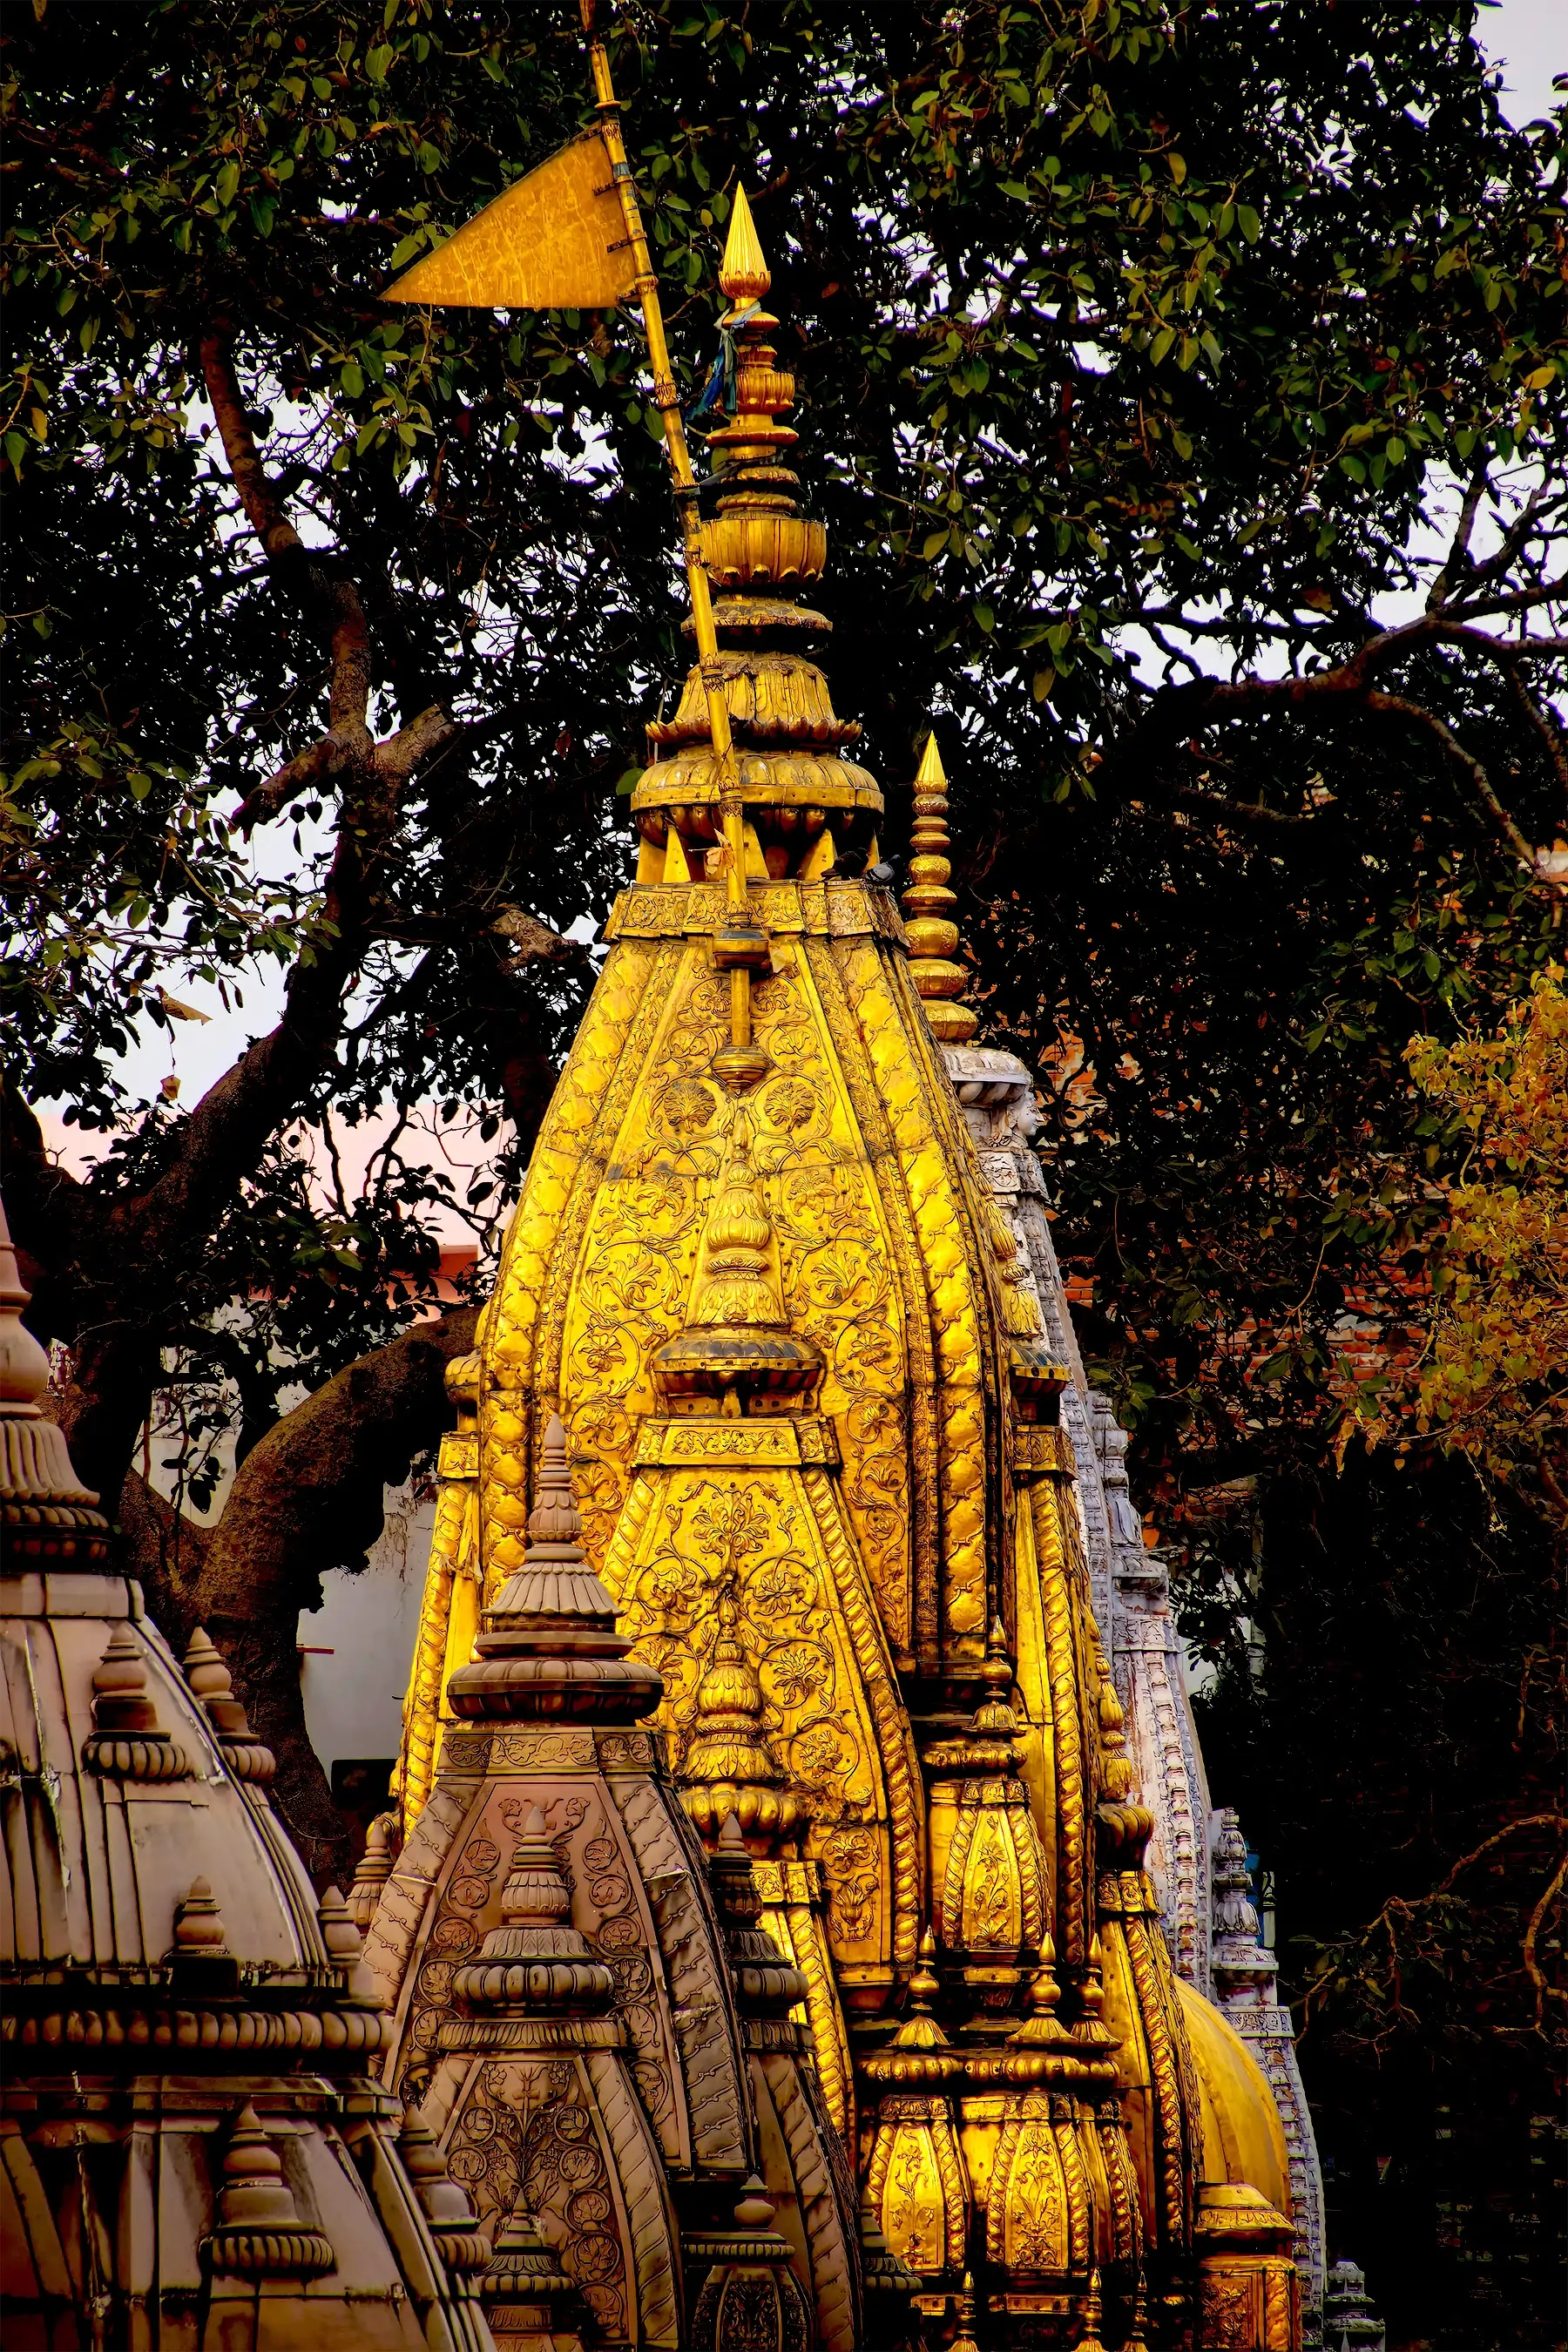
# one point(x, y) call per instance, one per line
point(1042, 2028)
point(729, 1772)
point(1092, 2310)
point(737, 1339)
point(1091, 2033)
point(738, 1283)
point(963, 2309)
point(919, 2054)
point(743, 274)
point(932, 934)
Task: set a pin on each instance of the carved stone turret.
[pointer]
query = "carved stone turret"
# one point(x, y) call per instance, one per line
point(553, 1955)
point(1247, 1991)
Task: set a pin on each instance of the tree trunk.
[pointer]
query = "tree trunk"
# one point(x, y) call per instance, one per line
point(310, 1496)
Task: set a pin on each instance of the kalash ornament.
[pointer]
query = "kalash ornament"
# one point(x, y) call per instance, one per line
point(856, 1914)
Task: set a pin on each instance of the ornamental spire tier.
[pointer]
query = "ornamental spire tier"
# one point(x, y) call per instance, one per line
point(932, 933)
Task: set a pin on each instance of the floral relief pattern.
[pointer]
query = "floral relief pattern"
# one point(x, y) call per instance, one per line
point(753, 1534)
point(637, 1251)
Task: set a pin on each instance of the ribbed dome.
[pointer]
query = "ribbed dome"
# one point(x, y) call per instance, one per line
point(105, 1856)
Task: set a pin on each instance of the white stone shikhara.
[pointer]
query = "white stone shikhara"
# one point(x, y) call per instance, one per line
point(1244, 1988)
point(1129, 1584)
point(1214, 1949)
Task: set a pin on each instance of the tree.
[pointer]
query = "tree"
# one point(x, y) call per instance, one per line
point(1488, 1379)
point(1184, 392)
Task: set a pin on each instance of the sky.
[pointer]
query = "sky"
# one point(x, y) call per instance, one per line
point(1527, 38)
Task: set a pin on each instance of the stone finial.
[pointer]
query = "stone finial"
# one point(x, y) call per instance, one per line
point(529, 2302)
point(535, 1959)
point(375, 1870)
point(1350, 2322)
point(547, 1646)
point(932, 933)
point(127, 1741)
point(199, 1931)
point(257, 2231)
point(213, 1684)
point(345, 1949)
point(24, 1363)
point(1243, 1970)
point(555, 1524)
point(766, 1984)
point(47, 1515)
point(460, 2240)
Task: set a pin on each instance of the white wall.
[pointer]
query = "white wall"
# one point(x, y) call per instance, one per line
point(354, 1698)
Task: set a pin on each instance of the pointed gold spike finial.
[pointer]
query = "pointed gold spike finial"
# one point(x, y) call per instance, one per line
point(743, 274)
point(932, 934)
point(931, 776)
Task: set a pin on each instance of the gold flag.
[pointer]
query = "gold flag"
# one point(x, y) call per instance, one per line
point(556, 241)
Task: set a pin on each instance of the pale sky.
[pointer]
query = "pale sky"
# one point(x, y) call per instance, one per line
point(1529, 38)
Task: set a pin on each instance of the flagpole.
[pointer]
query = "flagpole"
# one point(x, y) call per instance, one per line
point(740, 943)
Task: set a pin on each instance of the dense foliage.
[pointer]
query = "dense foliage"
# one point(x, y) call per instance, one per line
point(1183, 387)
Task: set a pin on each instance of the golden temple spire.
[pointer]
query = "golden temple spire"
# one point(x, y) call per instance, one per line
point(740, 943)
point(932, 934)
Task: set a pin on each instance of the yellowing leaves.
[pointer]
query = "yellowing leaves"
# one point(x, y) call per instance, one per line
point(1491, 1380)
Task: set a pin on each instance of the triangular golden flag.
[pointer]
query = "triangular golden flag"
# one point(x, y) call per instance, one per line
point(556, 241)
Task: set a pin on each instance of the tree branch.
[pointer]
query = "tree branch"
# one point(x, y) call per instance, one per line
point(1399, 704)
point(321, 584)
